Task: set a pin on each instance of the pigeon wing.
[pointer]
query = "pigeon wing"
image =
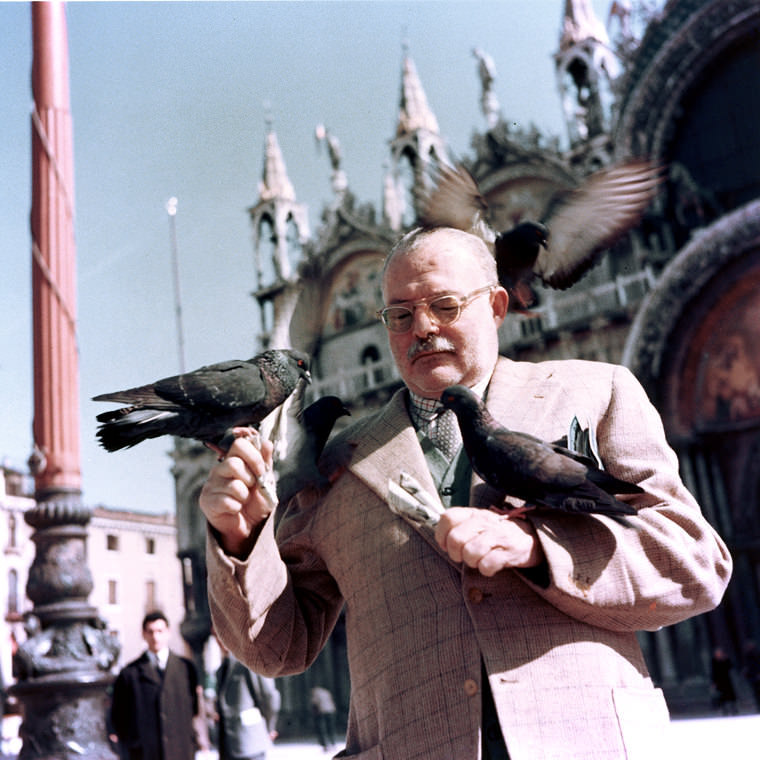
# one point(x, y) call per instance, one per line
point(142, 396)
point(455, 201)
point(216, 387)
point(588, 220)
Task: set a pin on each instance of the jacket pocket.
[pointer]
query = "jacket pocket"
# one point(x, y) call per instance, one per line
point(644, 722)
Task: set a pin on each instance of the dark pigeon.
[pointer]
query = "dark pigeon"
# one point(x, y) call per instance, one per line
point(298, 468)
point(203, 404)
point(576, 227)
point(545, 475)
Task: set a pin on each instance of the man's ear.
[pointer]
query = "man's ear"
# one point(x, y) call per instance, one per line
point(499, 304)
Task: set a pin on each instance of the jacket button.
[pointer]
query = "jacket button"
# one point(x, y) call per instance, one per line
point(475, 595)
point(470, 687)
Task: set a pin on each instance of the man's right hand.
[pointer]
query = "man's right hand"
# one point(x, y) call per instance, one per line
point(231, 498)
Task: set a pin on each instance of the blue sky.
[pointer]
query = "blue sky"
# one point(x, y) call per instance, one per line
point(170, 99)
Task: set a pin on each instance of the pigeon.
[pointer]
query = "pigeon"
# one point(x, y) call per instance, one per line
point(578, 225)
point(298, 469)
point(204, 404)
point(545, 475)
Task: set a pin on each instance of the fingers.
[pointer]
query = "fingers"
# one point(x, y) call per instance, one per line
point(487, 541)
point(231, 499)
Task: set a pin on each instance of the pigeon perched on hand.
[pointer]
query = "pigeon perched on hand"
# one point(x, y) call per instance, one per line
point(577, 226)
point(298, 468)
point(204, 404)
point(542, 474)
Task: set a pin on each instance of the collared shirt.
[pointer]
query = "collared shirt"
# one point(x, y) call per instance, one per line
point(160, 658)
point(423, 411)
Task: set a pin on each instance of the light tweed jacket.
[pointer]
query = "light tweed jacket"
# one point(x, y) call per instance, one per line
point(564, 665)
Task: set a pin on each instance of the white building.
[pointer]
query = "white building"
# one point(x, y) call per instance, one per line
point(132, 558)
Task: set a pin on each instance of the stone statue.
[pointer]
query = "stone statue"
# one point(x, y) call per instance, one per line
point(489, 103)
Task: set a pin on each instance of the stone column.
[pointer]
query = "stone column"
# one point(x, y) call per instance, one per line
point(63, 668)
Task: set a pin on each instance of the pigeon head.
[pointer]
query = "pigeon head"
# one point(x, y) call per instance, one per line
point(460, 400)
point(288, 358)
point(325, 410)
point(541, 234)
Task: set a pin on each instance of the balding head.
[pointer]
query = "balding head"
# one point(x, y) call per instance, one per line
point(469, 245)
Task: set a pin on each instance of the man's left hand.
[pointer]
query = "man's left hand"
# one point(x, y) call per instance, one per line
point(487, 540)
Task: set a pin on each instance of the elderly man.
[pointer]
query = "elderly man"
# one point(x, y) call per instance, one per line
point(485, 635)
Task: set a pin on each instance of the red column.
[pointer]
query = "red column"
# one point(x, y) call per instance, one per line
point(56, 370)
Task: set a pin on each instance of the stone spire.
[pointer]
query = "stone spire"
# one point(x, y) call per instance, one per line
point(585, 67)
point(418, 146)
point(280, 230)
point(275, 183)
point(580, 24)
point(414, 112)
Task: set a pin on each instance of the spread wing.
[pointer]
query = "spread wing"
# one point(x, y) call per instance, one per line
point(588, 220)
point(455, 201)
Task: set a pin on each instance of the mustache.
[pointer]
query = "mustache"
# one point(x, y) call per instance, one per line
point(433, 343)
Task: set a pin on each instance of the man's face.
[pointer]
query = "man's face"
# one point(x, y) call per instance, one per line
point(431, 357)
point(156, 635)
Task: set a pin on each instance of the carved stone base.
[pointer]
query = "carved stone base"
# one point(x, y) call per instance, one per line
point(65, 717)
point(64, 666)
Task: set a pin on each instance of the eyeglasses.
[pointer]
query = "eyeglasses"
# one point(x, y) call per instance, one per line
point(441, 310)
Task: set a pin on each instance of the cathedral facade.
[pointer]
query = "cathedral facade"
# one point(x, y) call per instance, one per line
point(677, 300)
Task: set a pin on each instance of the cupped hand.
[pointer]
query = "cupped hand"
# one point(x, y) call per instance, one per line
point(488, 541)
point(231, 498)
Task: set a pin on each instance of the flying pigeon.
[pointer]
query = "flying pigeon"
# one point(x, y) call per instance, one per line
point(544, 475)
point(297, 468)
point(578, 225)
point(203, 404)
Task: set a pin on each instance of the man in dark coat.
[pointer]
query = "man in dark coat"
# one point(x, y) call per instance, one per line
point(155, 698)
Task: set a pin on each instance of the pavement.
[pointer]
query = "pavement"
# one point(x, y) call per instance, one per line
point(702, 738)
point(301, 750)
point(735, 738)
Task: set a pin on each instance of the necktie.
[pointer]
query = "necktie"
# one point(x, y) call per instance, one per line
point(444, 433)
point(157, 664)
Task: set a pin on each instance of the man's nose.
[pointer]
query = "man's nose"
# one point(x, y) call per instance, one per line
point(422, 324)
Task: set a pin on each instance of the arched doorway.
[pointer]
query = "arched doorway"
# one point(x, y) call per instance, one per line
point(693, 346)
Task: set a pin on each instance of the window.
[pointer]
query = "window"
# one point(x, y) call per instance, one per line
point(112, 543)
point(13, 591)
point(150, 545)
point(12, 535)
point(150, 595)
point(112, 598)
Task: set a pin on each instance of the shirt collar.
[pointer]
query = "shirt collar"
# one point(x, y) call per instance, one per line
point(424, 410)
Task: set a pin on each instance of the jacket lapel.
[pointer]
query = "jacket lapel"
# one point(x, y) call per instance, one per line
point(388, 447)
point(148, 670)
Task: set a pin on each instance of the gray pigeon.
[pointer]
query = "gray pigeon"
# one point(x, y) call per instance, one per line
point(203, 404)
point(545, 475)
point(578, 225)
